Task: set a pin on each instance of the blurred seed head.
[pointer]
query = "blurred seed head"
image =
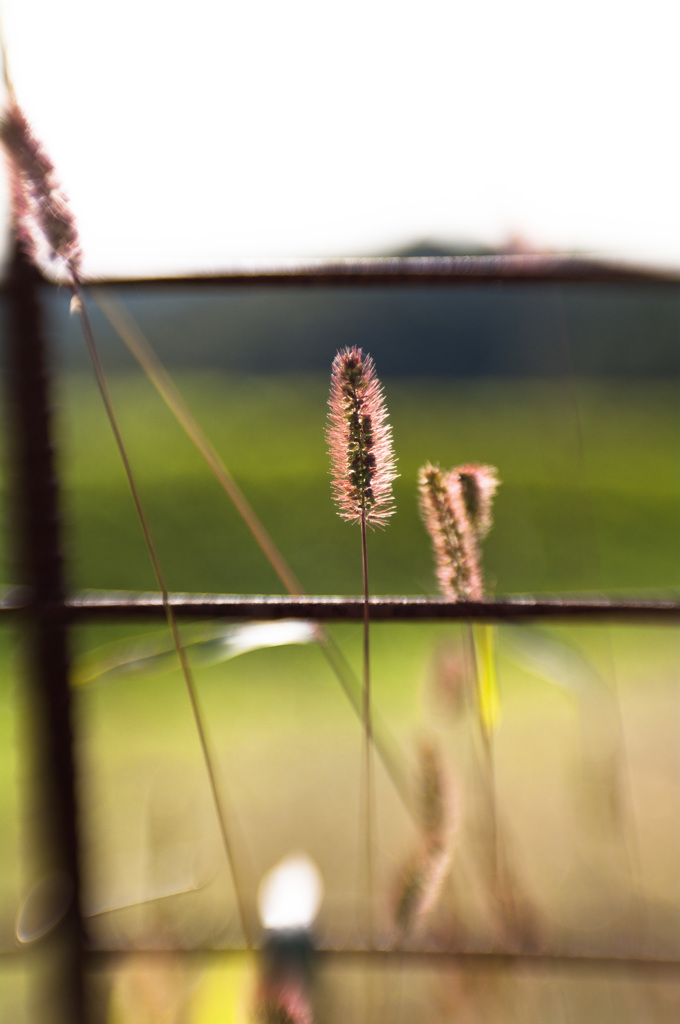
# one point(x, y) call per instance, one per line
point(456, 510)
point(449, 682)
point(420, 881)
point(443, 512)
point(478, 487)
point(43, 220)
point(434, 798)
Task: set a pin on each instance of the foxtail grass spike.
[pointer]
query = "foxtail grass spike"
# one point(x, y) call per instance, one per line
point(456, 510)
point(44, 223)
point(359, 438)
point(442, 509)
point(419, 887)
point(478, 485)
point(420, 881)
point(434, 800)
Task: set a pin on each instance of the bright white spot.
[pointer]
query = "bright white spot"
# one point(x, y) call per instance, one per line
point(290, 894)
point(255, 635)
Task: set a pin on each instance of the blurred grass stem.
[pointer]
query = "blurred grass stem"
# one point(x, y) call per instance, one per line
point(137, 344)
point(170, 616)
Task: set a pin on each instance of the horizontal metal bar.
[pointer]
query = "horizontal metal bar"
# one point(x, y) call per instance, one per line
point(489, 959)
point(438, 957)
point(96, 605)
point(414, 270)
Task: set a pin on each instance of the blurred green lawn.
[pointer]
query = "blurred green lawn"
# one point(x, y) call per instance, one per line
point(590, 500)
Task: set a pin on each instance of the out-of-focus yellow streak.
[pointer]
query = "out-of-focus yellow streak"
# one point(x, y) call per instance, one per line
point(224, 992)
point(487, 680)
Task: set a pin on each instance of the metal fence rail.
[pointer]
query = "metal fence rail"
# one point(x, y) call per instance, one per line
point(416, 270)
point(47, 613)
point(100, 606)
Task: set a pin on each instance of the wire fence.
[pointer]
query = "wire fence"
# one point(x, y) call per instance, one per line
point(47, 612)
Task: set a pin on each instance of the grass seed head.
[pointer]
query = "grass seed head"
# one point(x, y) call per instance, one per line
point(44, 223)
point(363, 465)
point(456, 510)
point(434, 802)
point(421, 879)
point(419, 887)
point(478, 485)
point(443, 512)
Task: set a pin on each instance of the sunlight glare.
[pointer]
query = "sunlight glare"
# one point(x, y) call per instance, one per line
point(290, 894)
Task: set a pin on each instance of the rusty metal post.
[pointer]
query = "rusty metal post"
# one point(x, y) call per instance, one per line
point(56, 934)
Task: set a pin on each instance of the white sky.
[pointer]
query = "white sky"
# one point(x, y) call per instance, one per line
point(190, 135)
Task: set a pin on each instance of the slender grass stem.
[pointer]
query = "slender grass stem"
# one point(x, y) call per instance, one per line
point(170, 616)
point(368, 737)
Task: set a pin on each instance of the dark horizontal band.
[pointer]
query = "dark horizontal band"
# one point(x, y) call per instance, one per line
point(483, 959)
point(125, 605)
point(415, 270)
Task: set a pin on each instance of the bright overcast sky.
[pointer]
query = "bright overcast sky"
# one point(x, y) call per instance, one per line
point(189, 135)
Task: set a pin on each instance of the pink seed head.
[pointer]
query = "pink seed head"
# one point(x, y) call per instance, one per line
point(44, 223)
point(443, 512)
point(456, 510)
point(359, 438)
point(479, 485)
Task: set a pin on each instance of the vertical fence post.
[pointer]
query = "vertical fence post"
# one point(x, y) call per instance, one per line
point(34, 507)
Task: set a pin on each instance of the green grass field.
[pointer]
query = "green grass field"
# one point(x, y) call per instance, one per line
point(586, 753)
point(590, 497)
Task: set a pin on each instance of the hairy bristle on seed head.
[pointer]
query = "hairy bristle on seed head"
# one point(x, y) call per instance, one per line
point(359, 438)
point(44, 223)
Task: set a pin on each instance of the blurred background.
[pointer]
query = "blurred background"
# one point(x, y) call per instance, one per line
point(193, 138)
